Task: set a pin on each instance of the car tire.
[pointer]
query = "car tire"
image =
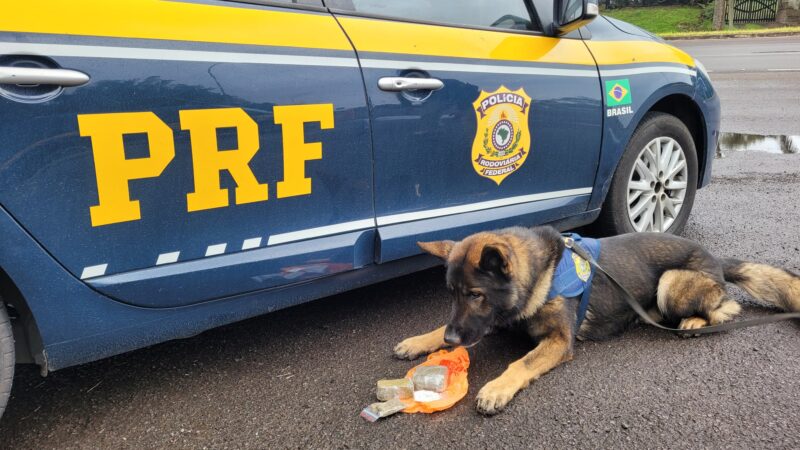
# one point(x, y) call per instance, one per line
point(655, 182)
point(6, 358)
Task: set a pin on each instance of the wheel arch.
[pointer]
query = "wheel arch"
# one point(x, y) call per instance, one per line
point(672, 100)
point(687, 111)
point(28, 341)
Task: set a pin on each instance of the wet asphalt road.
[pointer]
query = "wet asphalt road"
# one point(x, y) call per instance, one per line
point(298, 377)
point(758, 81)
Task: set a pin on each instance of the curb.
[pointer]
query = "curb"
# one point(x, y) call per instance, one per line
point(730, 36)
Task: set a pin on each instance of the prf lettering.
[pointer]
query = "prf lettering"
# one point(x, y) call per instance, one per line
point(114, 171)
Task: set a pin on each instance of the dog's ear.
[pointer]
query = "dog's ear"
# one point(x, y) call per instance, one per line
point(495, 259)
point(440, 249)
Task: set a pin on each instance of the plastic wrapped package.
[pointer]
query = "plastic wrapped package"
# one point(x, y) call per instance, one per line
point(430, 378)
point(376, 411)
point(388, 389)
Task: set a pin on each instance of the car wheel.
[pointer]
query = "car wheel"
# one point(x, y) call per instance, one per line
point(655, 183)
point(6, 358)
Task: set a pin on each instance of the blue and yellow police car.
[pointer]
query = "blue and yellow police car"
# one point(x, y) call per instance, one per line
point(169, 166)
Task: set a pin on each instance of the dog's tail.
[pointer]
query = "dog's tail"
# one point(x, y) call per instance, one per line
point(767, 284)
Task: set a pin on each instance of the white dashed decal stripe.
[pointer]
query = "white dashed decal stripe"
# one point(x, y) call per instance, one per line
point(216, 249)
point(168, 258)
point(251, 243)
point(311, 233)
point(356, 225)
point(94, 271)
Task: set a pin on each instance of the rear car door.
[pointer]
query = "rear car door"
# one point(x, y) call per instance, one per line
point(478, 119)
point(217, 148)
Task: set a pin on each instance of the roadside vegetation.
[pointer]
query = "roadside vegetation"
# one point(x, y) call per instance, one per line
point(688, 21)
point(666, 19)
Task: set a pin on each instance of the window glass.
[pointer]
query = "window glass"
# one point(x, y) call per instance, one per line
point(503, 14)
point(572, 11)
point(300, 2)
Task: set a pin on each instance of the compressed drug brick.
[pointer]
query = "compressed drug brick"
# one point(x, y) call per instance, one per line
point(375, 411)
point(389, 389)
point(430, 378)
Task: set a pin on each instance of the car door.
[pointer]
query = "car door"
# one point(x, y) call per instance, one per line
point(171, 152)
point(478, 119)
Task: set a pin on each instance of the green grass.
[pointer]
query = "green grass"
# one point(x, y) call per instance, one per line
point(687, 21)
point(663, 19)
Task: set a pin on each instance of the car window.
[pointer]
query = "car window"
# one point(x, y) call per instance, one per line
point(502, 14)
point(290, 2)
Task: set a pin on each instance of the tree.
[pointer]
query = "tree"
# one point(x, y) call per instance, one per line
point(719, 14)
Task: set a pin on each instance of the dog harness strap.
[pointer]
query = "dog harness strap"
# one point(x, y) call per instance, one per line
point(584, 305)
point(573, 274)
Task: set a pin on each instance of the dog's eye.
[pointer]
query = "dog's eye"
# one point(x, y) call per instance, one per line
point(476, 295)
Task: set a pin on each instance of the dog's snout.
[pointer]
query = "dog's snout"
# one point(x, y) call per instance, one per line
point(451, 337)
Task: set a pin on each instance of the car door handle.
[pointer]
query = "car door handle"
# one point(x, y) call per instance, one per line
point(396, 84)
point(35, 75)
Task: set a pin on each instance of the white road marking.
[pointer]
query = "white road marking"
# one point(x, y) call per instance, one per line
point(251, 243)
point(168, 258)
point(94, 271)
point(216, 249)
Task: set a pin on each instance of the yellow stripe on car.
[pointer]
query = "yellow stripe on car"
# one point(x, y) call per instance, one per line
point(167, 20)
point(370, 35)
point(630, 52)
point(179, 21)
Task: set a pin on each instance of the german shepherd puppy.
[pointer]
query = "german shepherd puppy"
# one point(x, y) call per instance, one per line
point(502, 278)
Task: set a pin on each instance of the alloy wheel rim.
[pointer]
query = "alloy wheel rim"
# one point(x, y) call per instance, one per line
point(657, 185)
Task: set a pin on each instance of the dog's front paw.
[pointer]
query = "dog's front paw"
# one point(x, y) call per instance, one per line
point(494, 396)
point(412, 348)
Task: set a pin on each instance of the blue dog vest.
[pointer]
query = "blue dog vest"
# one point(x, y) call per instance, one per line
point(573, 275)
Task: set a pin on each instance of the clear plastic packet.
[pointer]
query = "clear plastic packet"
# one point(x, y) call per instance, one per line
point(430, 378)
point(378, 410)
point(401, 388)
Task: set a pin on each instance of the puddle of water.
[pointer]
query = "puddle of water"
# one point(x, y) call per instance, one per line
point(736, 142)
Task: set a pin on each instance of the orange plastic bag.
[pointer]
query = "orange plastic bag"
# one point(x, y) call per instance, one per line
point(457, 362)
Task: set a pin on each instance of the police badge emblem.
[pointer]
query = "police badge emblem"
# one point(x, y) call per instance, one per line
point(503, 139)
point(582, 267)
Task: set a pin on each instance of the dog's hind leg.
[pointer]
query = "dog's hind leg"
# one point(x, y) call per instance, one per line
point(655, 315)
point(695, 298)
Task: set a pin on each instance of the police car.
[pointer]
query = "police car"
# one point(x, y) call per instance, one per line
point(171, 166)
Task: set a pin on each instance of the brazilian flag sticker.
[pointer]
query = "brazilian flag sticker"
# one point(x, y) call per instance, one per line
point(618, 92)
